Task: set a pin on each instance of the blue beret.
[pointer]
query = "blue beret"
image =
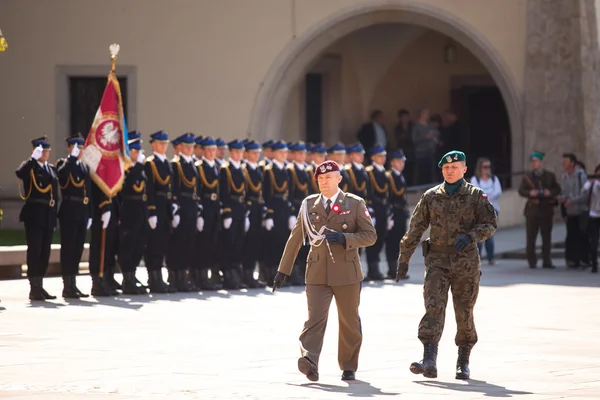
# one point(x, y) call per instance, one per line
point(355, 148)
point(279, 145)
point(377, 150)
point(300, 146)
point(318, 149)
point(198, 140)
point(397, 154)
point(135, 144)
point(75, 139)
point(452, 156)
point(134, 135)
point(159, 136)
point(42, 141)
point(175, 142)
point(268, 144)
point(220, 142)
point(235, 145)
point(209, 142)
point(252, 145)
point(186, 138)
point(338, 148)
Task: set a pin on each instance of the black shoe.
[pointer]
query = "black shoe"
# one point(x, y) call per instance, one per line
point(157, 284)
point(203, 282)
point(373, 273)
point(181, 282)
point(100, 288)
point(548, 266)
point(70, 290)
point(427, 367)
point(47, 295)
point(308, 368)
point(111, 282)
point(348, 376)
point(462, 364)
point(35, 293)
point(130, 284)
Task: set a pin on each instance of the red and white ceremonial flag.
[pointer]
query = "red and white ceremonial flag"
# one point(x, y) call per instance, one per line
point(105, 150)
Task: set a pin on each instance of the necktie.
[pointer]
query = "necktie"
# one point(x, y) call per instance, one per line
point(328, 209)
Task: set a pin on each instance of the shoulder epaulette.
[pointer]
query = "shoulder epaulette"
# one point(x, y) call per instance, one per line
point(261, 163)
point(175, 159)
point(309, 167)
point(150, 158)
point(369, 168)
point(198, 163)
point(224, 164)
point(348, 166)
point(353, 196)
point(290, 166)
point(269, 166)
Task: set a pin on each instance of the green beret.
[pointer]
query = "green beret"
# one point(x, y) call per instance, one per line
point(537, 155)
point(452, 156)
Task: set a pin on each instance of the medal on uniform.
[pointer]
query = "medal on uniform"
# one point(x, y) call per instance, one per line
point(344, 226)
point(318, 217)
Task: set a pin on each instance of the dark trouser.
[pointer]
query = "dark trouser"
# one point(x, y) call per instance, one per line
point(392, 242)
point(39, 240)
point(72, 239)
point(594, 231)
point(577, 248)
point(96, 243)
point(277, 237)
point(158, 240)
point(253, 238)
point(181, 247)
point(381, 216)
point(231, 244)
point(542, 224)
point(133, 234)
point(207, 248)
point(460, 273)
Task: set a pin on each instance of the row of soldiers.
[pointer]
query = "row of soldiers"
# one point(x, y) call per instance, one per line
point(211, 221)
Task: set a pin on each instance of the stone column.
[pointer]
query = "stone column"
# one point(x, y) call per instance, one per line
point(561, 83)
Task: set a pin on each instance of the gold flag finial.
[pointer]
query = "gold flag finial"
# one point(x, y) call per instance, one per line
point(114, 52)
point(3, 44)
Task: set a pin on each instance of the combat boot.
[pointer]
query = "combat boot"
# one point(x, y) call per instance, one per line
point(373, 273)
point(230, 280)
point(156, 283)
point(70, 290)
point(462, 364)
point(130, 285)
point(100, 288)
point(203, 282)
point(47, 295)
point(35, 293)
point(427, 366)
point(239, 277)
point(250, 281)
point(215, 276)
point(181, 282)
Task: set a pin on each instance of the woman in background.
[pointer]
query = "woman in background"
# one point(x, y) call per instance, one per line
point(490, 184)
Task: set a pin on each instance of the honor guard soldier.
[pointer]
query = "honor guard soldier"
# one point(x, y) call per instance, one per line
point(232, 190)
point(262, 164)
point(319, 153)
point(399, 209)
point(39, 214)
point(337, 225)
point(221, 148)
point(133, 221)
point(74, 214)
point(299, 189)
point(379, 200)
point(337, 153)
point(279, 210)
point(186, 187)
point(267, 154)
point(460, 215)
point(208, 222)
point(171, 256)
point(253, 242)
point(358, 177)
point(163, 211)
point(198, 150)
point(541, 188)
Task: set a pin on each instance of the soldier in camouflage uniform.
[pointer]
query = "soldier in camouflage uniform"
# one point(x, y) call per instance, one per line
point(460, 215)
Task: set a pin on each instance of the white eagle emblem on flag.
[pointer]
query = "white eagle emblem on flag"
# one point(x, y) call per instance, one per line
point(110, 134)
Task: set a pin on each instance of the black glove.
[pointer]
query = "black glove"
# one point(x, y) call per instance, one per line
point(401, 271)
point(336, 237)
point(280, 279)
point(462, 241)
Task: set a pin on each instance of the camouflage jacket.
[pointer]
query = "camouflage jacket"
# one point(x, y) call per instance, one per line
point(469, 211)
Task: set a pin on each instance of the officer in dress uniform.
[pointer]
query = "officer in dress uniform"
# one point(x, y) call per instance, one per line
point(74, 214)
point(337, 153)
point(379, 201)
point(338, 224)
point(186, 187)
point(205, 258)
point(198, 150)
point(232, 190)
point(254, 207)
point(358, 178)
point(163, 211)
point(300, 183)
point(221, 148)
point(39, 214)
point(279, 209)
point(171, 256)
point(398, 205)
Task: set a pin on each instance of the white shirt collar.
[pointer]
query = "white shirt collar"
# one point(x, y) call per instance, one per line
point(301, 166)
point(161, 157)
point(279, 165)
point(379, 167)
point(235, 164)
point(251, 164)
point(333, 199)
point(210, 163)
point(396, 172)
point(186, 158)
point(43, 165)
point(358, 166)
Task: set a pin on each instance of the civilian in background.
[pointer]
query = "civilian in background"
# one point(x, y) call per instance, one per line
point(425, 139)
point(402, 134)
point(451, 132)
point(591, 191)
point(486, 181)
point(373, 133)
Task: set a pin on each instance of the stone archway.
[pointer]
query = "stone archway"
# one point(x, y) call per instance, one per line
point(292, 62)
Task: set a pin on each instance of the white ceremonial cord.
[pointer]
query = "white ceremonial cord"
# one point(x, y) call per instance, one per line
point(315, 238)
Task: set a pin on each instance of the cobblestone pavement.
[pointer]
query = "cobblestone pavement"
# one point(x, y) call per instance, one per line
point(538, 339)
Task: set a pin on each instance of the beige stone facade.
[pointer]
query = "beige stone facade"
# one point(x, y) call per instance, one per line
point(234, 68)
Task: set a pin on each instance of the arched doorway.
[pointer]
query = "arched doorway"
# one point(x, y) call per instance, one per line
point(309, 53)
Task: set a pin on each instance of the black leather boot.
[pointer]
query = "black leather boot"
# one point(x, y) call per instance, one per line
point(181, 282)
point(47, 295)
point(130, 285)
point(100, 288)
point(250, 281)
point(35, 293)
point(203, 282)
point(239, 277)
point(215, 277)
point(427, 366)
point(462, 364)
point(230, 280)
point(373, 273)
point(157, 284)
point(70, 290)
point(111, 282)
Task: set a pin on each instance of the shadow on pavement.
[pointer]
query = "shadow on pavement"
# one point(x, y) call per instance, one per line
point(355, 388)
point(475, 386)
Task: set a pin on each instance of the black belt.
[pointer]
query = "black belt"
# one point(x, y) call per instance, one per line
point(168, 195)
point(399, 206)
point(47, 202)
point(136, 197)
point(283, 196)
point(83, 200)
point(255, 199)
point(239, 199)
point(382, 200)
point(189, 195)
point(211, 196)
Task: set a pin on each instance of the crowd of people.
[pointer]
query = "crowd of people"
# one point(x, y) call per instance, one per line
point(211, 221)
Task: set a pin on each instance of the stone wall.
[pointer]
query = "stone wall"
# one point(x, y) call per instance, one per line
point(561, 83)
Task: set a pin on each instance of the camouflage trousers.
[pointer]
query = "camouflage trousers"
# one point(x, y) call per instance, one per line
point(459, 273)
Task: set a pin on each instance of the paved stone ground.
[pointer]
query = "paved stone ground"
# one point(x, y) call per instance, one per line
point(538, 333)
